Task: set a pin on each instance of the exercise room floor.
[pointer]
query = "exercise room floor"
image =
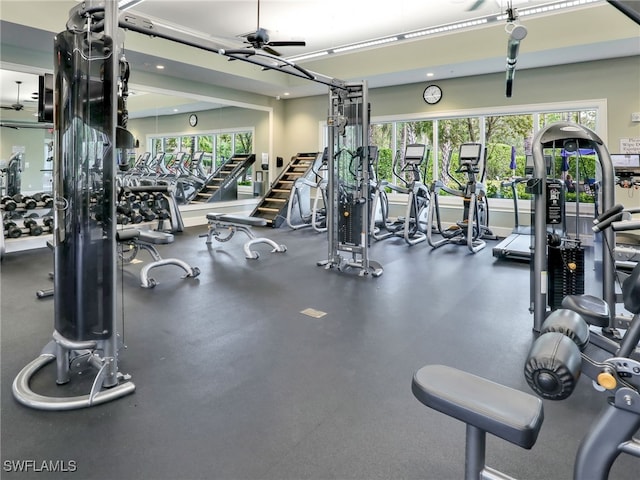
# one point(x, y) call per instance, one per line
point(234, 382)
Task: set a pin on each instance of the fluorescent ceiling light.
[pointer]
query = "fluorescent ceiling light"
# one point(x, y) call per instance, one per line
point(448, 28)
point(308, 56)
point(127, 4)
point(365, 44)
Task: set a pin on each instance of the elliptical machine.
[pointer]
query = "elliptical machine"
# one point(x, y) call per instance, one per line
point(300, 212)
point(474, 227)
point(413, 225)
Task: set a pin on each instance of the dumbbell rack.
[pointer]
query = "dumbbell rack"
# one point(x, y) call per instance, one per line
point(40, 204)
point(154, 204)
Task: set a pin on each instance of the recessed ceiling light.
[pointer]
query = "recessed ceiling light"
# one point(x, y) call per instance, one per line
point(176, 110)
point(160, 67)
point(286, 94)
point(430, 74)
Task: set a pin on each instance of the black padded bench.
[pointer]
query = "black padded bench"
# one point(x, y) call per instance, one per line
point(234, 223)
point(485, 406)
point(147, 240)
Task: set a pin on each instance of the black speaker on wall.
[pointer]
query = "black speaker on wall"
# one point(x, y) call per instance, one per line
point(279, 162)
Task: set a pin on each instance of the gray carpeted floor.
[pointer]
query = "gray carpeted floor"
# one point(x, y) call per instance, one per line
point(233, 382)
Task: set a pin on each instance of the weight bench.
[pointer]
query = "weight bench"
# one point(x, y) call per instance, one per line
point(484, 406)
point(239, 223)
point(136, 239)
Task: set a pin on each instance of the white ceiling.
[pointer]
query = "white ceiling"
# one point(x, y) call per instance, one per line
point(581, 33)
point(322, 24)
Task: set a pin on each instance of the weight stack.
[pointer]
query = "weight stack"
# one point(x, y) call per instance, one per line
point(565, 273)
point(350, 223)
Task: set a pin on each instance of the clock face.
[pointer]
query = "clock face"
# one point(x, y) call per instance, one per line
point(193, 120)
point(432, 94)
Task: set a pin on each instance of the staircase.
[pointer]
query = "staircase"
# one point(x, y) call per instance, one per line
point(273, 207)
point(223, 184)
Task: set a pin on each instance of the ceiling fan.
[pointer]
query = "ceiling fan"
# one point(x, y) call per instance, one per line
point(16, 106)
point(260, 39)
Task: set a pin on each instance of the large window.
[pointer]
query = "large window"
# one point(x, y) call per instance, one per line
point(508, 141)
point(392, 139)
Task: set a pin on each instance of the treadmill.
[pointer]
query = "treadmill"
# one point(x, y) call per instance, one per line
point(518, 245)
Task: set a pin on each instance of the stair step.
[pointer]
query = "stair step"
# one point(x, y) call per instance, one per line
point(279, 200)
point(267, 209)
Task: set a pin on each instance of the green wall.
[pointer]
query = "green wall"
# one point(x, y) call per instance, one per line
point(617, 81)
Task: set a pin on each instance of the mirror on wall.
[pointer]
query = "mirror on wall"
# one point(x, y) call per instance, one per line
point(22, 138)
point(173, 129)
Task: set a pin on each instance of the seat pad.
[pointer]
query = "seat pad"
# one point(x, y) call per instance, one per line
point(503, 411)
point(239, 219)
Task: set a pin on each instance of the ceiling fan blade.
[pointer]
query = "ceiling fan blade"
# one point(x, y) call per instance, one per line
point(294, 43)
point(475, 6)
point(270, 50)
point(4, 107)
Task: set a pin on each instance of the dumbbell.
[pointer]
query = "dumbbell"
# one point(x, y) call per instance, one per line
point(162, 213)
point(136, 217)
point(147, 213)
point(28, 202)
point(122, 219)
point(45, 199)
point(11, 229)
point(8, 204)
point(33, 227)
point(47, 223)
point(125, 209)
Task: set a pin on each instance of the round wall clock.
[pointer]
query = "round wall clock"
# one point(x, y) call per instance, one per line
point(432, 94)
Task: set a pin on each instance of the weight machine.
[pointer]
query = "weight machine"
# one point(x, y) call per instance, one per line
point(569, 136)
point(349, 176)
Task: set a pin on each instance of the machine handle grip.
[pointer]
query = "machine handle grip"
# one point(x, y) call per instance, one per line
point(617, 208)
point(599, 227)
point(626, 225)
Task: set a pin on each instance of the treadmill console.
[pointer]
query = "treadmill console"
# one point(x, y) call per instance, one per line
point(626, 164)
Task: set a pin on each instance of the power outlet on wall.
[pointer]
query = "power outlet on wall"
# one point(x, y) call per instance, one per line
point(635, 117)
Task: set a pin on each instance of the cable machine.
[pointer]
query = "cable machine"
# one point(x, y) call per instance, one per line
point(91, 76)
point(349, 166)
point(90, 90)
point(571, 137)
